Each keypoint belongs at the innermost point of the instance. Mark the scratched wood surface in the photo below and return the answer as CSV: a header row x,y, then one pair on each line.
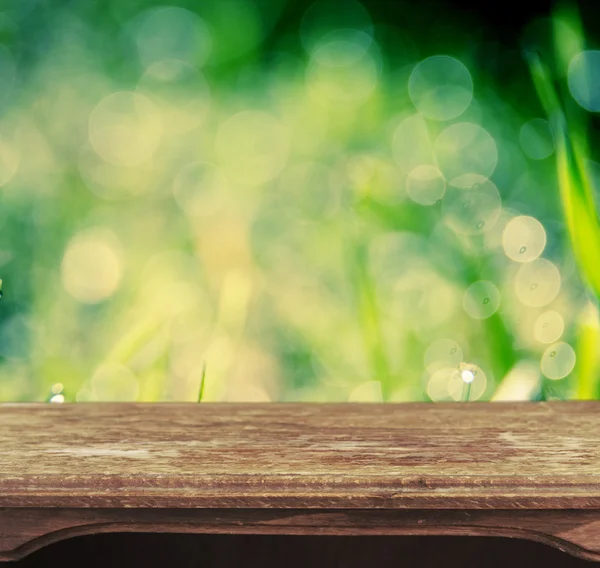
x,y
440,456
509,470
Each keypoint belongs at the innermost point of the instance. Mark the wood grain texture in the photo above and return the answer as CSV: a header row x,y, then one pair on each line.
x,y
25,530
500,469
469,456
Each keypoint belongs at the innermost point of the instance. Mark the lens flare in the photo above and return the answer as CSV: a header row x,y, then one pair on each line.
x,y
440,87
584,79
537,283
523,239
91,268
481,300
558,361
466,154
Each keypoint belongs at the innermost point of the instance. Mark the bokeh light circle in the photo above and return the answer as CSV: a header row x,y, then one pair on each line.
x,y
442,353
115,182
447,384
325,17
548,327
172,33
523,239
411,144
180,91
440,87
425,185
341,47
466,154
113,382
252,147
200,189
481,299
536,139
477,378
439,381
537,283
349,85
125,128
584,79
421,298
472,211
558,361
91,268
369,391
168,284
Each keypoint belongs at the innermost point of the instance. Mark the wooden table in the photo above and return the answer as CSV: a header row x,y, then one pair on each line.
x,y
529,470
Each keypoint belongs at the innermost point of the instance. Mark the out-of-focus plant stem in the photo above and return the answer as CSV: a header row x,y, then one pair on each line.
x,y
133,340
587,347
576,191
580,214
369,316
202,383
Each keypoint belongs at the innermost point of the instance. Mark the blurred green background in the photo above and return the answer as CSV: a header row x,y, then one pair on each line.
x,y
312,202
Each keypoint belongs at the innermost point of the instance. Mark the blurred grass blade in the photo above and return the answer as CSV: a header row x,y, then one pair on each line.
x,y
576,191
202,383
465,394
368,312
581,218
544,87
522,382
133,340
567,32
588,351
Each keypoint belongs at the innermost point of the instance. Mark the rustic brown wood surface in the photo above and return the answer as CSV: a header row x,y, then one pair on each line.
x,y
530,470
387,456
26,530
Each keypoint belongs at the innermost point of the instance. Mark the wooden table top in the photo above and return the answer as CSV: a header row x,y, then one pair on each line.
x,y
367,456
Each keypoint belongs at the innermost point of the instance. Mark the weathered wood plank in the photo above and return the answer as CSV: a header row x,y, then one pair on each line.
x,y
501,469
25,530
287,455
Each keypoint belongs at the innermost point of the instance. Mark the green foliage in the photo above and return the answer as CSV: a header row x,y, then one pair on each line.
x,y
299,198
578,200
576,190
